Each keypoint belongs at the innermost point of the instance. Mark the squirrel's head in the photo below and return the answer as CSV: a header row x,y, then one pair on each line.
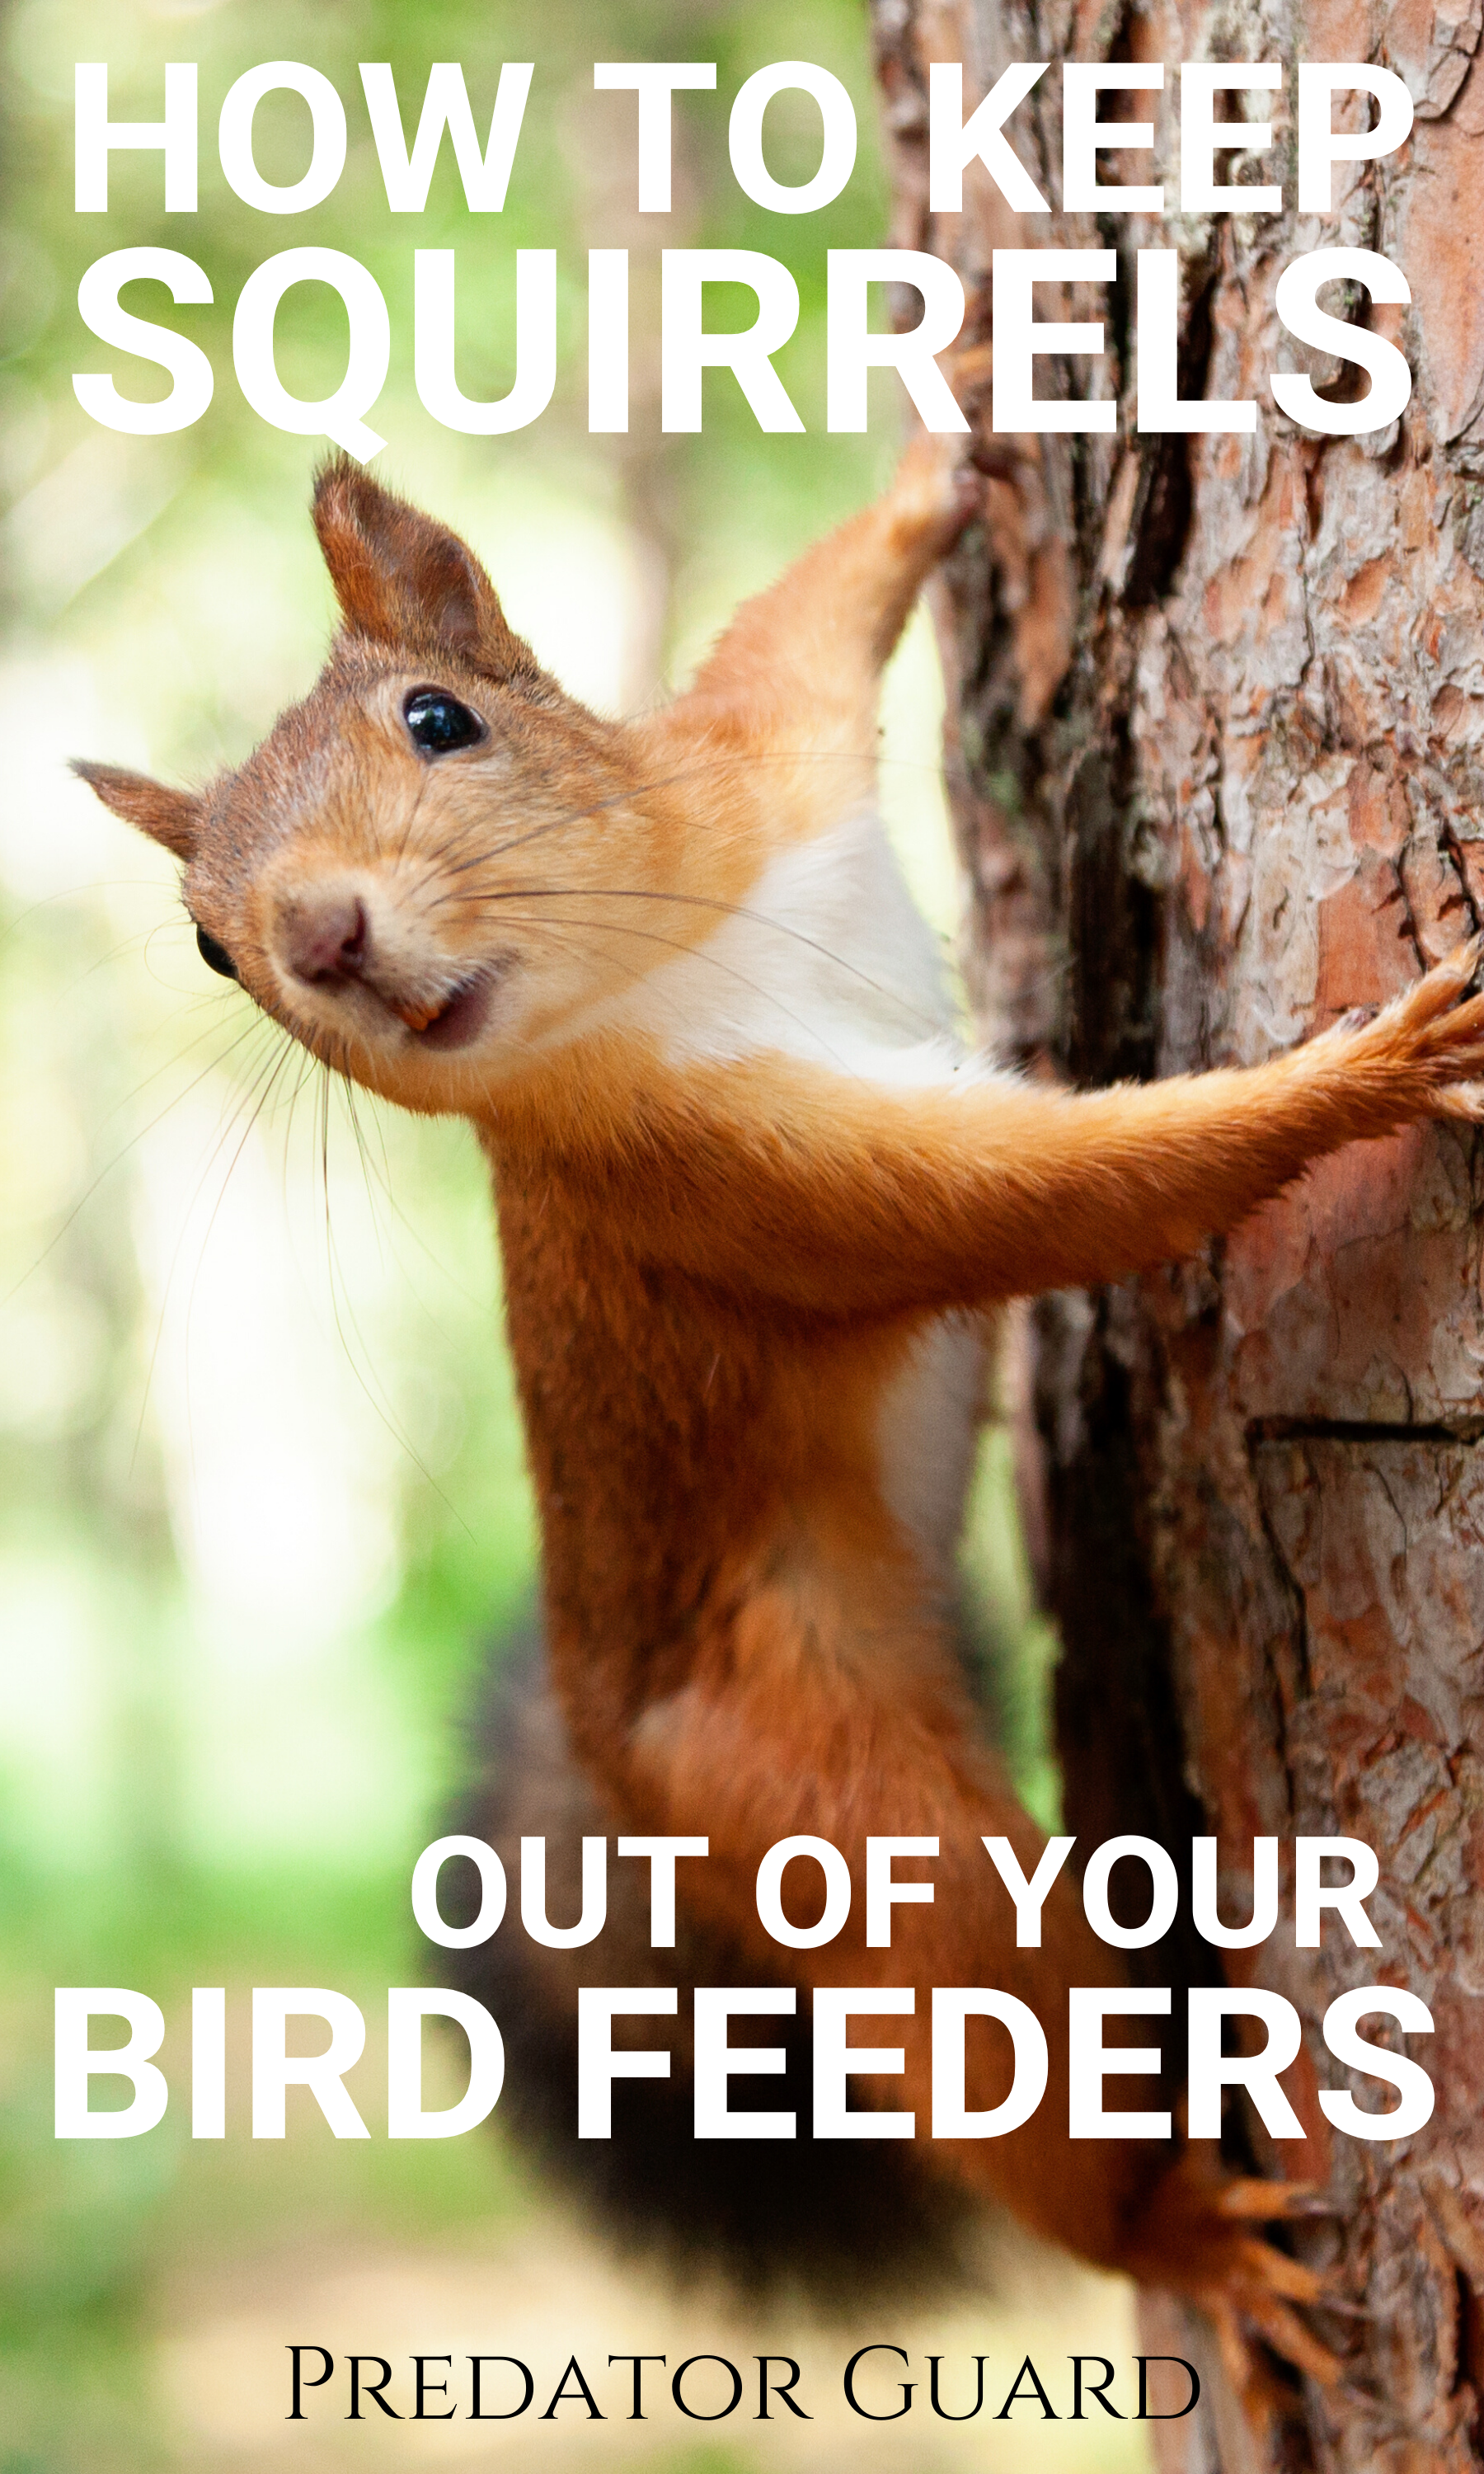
x,y
410,872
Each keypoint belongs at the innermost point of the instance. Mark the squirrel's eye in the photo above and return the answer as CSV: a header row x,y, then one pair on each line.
x,y
439,722
216,956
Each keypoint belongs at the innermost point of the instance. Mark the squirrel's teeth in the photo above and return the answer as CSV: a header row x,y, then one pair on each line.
x,y
418,1017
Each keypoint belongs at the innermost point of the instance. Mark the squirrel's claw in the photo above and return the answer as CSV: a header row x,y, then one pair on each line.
x,y
1260,2202
1196,2239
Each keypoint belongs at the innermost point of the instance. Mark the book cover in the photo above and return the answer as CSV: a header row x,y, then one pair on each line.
x,y
312,1795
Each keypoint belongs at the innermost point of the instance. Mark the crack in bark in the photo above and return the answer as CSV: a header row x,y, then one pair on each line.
x,y
1302,1667
1364,1430
1452,849
1402,895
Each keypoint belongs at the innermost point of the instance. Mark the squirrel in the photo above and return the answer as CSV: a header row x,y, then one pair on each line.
x,y
756,1207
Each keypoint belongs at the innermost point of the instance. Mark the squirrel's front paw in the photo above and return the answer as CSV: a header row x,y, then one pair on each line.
x,y
1428,1044
937,490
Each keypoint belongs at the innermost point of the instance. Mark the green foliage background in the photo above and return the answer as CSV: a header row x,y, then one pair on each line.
x,y
262,1507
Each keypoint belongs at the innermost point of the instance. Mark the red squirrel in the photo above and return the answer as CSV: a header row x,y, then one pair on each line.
x,y
755,1204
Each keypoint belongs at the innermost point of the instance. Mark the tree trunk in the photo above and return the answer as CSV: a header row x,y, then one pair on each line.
x,y
1217,750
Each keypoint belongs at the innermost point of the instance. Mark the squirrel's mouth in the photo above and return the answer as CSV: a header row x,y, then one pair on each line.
x,y
458,1020
347,943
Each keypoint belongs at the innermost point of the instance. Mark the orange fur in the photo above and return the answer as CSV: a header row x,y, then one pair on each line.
x,y
720,1260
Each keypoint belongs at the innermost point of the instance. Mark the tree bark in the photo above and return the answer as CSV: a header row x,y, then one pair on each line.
x,y
1218,747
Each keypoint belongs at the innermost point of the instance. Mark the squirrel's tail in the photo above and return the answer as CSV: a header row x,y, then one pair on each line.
x,y
763,2211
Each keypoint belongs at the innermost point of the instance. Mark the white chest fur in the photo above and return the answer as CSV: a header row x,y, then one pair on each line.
x,y
827,959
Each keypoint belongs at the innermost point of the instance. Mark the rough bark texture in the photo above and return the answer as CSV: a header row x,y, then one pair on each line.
x,y
1219,718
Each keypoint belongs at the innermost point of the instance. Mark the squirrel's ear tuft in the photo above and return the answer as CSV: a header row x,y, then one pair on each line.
x,y
169,816
402,579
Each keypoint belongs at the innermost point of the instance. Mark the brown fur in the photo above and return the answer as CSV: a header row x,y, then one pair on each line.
x,y
716,1267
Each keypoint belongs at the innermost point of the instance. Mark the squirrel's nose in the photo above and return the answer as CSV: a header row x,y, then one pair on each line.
x,y
325,936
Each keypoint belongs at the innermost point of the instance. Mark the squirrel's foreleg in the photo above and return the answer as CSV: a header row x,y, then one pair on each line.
x,y
803,662
846,1193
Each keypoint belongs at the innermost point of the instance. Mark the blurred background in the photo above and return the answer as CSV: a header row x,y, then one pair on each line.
x,y
263,1515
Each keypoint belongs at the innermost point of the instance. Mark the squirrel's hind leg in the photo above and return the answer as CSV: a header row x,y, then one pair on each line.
x,y
1197,2237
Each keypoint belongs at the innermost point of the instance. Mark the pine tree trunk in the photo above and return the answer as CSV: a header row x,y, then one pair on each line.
x,y
1218,749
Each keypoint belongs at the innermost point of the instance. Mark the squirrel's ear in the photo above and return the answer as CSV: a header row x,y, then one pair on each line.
x,y
169,816
402,579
